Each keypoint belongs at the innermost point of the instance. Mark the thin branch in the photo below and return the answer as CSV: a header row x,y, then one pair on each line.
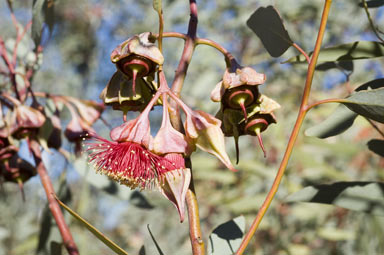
x,y
371,21
297,47
375,127
330,100
11,67
228,56
19,37
294,134
181,71
53,205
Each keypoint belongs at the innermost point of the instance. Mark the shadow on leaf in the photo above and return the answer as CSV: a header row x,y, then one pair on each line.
x,y
365,197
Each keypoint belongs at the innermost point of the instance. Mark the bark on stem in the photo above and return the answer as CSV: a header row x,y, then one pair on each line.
x,y
177,84
66,235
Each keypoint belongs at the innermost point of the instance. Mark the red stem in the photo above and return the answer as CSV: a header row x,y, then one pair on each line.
x,y
53,205
181,71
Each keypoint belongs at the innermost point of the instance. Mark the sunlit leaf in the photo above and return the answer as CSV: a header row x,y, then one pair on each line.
x,y
335,234
336,123
226,238
267,24
377,146
42,13
368,103
358,196
94,231
346,52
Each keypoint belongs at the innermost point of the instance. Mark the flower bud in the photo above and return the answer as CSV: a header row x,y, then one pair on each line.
x,y
119,93
25,120
137,57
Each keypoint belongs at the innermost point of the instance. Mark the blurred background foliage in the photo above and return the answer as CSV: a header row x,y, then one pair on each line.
x,y
76,62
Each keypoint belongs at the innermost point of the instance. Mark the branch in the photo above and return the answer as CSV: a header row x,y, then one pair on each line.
x,y
177,84
53,205
294,134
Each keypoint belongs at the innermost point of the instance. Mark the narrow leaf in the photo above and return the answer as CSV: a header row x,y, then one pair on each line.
x,y
336,123
154,240
42,14
226,238
274,36
373,4
346,52
377,146
157,5
94,231
368,103
358,196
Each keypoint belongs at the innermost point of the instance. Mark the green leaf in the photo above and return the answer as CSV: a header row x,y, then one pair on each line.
x,y
94,231
226,238
157,6
368,103
42,13
336,123
358,196
377,146
346,52
154,240
274,36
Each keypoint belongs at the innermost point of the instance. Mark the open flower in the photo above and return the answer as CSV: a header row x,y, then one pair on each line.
x,y
133,165
136,159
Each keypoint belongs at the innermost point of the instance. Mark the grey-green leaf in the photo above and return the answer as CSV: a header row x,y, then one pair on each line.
x,y
42,13
267,24
157,5
368,103
365,197
346,52
336,123
226,238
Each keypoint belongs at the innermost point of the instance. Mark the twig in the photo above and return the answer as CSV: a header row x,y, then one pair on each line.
x,y
371,21
294,134
53,205
181,71
375,127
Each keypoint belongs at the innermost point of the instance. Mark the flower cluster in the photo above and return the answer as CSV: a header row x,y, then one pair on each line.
x,y
244,110
135,158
